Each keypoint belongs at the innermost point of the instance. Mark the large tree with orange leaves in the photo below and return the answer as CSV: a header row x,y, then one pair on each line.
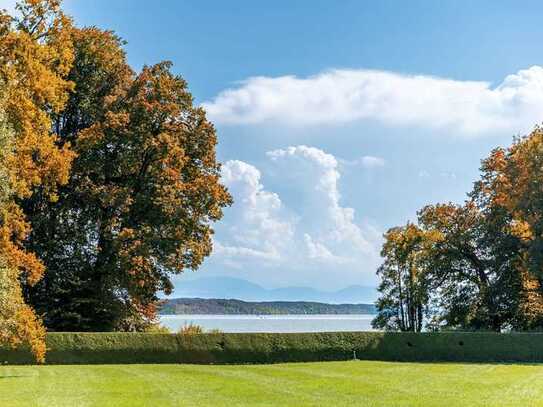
x,y
142,197
482,261
511,187
35,58
459,266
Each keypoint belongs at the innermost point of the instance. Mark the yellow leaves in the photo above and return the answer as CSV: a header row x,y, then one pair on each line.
x,y
34,74
31,330
37,161
13,230
35,56
18,322
521,229
531,299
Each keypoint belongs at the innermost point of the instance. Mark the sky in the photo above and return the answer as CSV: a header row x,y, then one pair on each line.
x,y
338,120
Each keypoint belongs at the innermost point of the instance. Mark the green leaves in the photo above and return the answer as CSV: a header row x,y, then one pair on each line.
x,y
143,193
482,260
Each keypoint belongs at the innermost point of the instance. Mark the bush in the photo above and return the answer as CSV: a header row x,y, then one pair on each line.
x,y
158,329
191,329
104,348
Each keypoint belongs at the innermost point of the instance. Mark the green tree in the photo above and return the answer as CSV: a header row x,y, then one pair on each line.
x,y
472,264
462,265
142,197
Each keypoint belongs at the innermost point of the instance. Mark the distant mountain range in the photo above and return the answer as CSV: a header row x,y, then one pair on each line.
x,y
179,306
235,288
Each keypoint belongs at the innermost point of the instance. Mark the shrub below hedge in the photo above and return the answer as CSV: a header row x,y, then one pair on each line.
x,y
113,348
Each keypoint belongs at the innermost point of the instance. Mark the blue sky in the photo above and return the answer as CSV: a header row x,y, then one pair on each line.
x,y
338,120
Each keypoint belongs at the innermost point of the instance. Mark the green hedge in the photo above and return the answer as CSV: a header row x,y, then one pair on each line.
x,y
103,348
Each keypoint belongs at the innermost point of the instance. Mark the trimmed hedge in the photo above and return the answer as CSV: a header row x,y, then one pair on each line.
x,y
120,348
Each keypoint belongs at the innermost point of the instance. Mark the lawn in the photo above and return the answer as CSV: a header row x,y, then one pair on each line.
x,y
355,383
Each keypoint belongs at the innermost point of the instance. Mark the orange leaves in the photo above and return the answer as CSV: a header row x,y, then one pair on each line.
x,y
30,330
511,181
13,230
149,163
35,56
144,186
34,59
18,322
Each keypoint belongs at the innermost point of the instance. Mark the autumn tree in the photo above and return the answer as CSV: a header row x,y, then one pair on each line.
x,y
510,188
18,323
404,295
472,263
467,261
142,197
35,57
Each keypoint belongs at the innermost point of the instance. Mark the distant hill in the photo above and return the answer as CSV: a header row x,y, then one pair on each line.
x,y
236,307
227,287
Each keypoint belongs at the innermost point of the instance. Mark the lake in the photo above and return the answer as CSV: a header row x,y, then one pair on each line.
x,y
271,323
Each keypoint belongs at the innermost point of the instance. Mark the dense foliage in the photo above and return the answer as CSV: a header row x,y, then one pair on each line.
x,y
223,348
476,265
237,307
35,57
142,194
109,180
18,323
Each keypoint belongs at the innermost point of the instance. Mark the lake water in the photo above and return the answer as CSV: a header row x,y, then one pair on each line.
x,y
271,323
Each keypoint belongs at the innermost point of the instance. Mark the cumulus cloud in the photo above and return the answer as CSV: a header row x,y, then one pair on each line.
x,y
260,227
305,233
424,174
336,222
257,228
318,251
343,96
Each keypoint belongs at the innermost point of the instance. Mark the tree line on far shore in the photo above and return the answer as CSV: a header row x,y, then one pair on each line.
x,y
237,307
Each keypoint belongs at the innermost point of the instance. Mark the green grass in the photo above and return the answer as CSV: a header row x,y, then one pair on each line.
x,y
356,383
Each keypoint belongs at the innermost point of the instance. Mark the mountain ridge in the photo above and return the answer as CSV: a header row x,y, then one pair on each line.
x,y
240,289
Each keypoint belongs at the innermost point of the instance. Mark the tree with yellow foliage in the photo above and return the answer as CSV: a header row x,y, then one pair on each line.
x,y
35,58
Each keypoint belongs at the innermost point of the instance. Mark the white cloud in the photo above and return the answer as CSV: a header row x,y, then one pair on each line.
x,y
256,227
369,161
336,223
318,251
448,174
303,235
342,96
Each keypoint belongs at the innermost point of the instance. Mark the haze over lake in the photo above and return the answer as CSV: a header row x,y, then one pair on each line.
x,y
271,323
